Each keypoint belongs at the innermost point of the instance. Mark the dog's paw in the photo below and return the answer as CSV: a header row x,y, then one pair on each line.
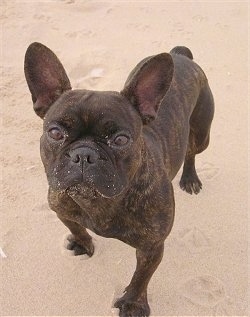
x,y
190,183
130,308
78,248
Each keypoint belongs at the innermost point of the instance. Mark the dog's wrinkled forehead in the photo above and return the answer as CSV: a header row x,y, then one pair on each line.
x,y
86,107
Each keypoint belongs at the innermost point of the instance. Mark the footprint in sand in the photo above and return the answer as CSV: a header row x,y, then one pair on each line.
x,y
204,290
42,17
138,26
194,240
229,307
199,18
68,1
41,207
71,34
208,171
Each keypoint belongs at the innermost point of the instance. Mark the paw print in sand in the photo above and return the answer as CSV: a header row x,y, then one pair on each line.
x,y
204,290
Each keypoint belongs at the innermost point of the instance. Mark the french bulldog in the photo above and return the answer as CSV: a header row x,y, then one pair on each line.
x,y
110,157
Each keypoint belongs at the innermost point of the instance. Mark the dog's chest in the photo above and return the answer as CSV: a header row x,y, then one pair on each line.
x,y
110,221
101,218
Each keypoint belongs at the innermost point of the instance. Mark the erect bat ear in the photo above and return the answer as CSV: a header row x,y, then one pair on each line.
x,y
148,83
45,76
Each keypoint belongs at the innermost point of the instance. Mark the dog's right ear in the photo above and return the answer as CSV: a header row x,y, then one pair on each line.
x,y
45,76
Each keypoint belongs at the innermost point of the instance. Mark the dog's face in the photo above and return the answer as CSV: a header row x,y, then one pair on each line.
x,y
92,141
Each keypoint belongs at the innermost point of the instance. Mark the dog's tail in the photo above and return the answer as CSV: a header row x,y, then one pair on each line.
x,y
182,50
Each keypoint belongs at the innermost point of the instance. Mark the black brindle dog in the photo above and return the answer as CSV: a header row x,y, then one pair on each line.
x,y
110,156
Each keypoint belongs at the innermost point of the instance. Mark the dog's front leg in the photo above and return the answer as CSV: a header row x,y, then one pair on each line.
x,y
71,216
79,241
134,302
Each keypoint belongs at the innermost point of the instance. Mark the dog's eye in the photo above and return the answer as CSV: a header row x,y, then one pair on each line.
x,y
121,140
56,134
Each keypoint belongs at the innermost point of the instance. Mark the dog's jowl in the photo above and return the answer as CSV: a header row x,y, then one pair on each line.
x,y
110,156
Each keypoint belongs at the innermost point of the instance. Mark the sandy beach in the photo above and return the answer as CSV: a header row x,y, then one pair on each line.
x,y
204,271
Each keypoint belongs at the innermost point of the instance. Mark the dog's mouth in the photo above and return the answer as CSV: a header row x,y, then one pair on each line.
x,y
90,192
86,192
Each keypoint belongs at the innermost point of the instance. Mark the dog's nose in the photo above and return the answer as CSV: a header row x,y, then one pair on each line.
x,y
83,154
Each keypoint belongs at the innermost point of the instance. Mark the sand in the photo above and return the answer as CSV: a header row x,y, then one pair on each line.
x,y
204,269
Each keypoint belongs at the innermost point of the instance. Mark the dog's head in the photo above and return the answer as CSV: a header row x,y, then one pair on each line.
x,y
92,141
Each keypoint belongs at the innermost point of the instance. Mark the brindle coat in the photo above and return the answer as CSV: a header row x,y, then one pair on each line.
x,y
121,189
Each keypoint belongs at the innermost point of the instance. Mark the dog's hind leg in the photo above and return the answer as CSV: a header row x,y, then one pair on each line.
x,y
200,123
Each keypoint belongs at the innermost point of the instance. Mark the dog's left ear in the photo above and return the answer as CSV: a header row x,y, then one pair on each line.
x,y
148,83
45,76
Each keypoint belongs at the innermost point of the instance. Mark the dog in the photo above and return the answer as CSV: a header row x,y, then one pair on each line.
x,y
110,157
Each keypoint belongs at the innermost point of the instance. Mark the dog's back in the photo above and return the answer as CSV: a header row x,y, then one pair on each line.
x,y
187,106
